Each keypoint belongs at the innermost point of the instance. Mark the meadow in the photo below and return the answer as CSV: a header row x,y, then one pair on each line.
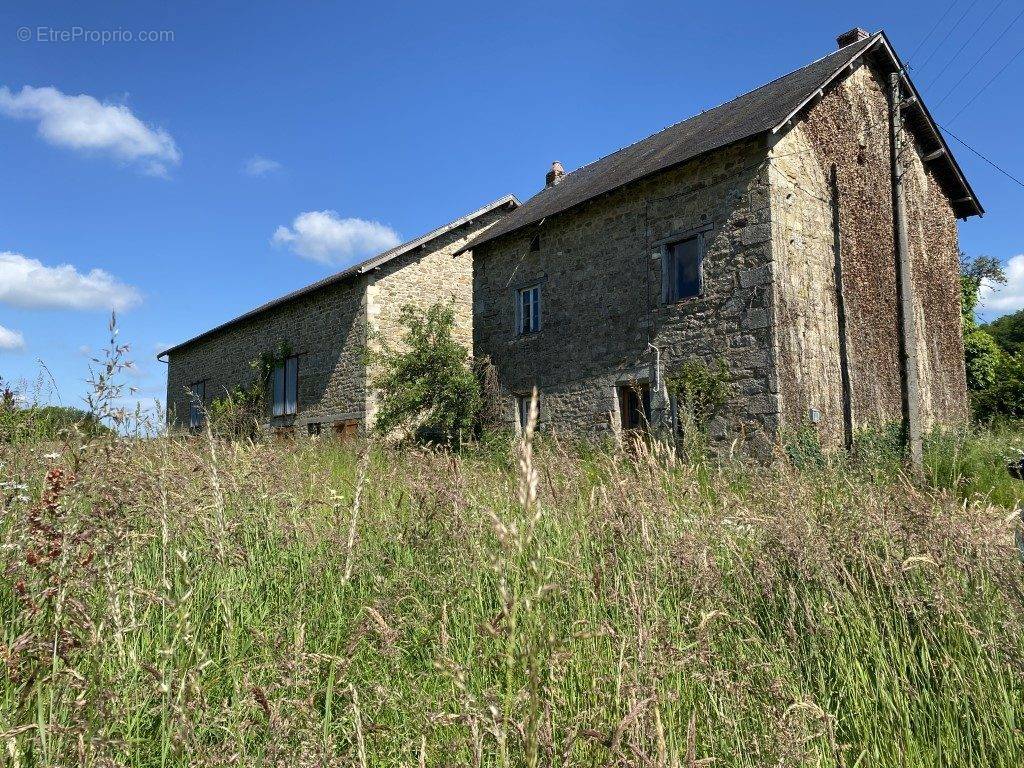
x,y
183,600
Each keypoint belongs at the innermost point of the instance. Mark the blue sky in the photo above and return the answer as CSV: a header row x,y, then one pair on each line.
x,y
254,147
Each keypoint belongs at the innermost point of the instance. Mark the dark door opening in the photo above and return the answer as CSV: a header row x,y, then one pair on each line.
x,y
635,405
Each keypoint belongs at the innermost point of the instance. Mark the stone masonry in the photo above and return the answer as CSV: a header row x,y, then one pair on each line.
x,y
768,306
330,327
804,265
603,319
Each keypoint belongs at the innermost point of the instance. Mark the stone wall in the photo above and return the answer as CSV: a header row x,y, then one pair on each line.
x,y
849,127
326,328
330,328
599,267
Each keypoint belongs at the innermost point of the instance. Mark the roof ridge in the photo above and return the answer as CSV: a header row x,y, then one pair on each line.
x,y
722,104
356,269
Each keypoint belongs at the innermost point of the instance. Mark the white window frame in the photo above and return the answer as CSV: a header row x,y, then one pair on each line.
x,y
286,387
536,318
196,404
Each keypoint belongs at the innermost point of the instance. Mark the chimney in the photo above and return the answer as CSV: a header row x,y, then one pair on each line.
x,y
555,175
855,35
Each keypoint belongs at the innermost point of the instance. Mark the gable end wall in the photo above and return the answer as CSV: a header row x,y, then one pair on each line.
x,y
849,127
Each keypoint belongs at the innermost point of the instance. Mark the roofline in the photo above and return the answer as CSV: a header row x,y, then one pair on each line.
x,y
881,37
878,37
362,268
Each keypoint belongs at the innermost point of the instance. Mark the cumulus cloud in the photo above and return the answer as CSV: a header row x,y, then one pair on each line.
x,y
85,124
260,166
1002,299
325,237
10,340
29,283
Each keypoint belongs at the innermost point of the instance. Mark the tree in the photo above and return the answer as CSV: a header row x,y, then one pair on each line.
x,y
1008,331
982,356
973,274
981,352
995,372
425,387
1005,397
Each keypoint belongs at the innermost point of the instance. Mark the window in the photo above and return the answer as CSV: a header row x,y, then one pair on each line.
x,y
634,405
523,410
528,310
681,269
196,400
286,382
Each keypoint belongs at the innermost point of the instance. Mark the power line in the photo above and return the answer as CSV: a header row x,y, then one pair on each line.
x,y
966,42
986,85
976,63
932,30
950,32
1003,171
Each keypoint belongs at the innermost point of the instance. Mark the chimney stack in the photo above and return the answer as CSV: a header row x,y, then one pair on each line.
x,y
855,35
555,175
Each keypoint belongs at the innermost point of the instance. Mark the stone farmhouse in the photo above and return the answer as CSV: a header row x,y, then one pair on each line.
x,y
759,235
801,236
321,382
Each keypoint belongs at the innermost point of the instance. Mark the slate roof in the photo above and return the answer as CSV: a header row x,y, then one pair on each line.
x,y
761,111
359,269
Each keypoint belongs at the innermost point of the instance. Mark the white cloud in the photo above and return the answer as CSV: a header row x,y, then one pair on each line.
x,y
83,123
28,283
325,237
260,166
10,340
995,300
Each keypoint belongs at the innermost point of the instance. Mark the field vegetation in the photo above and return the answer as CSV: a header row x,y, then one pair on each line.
x,y
190,600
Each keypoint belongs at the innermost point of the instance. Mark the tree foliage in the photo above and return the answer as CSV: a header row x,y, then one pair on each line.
x,y
982,356
1004,398
1008,332
995,371
425,387
973,274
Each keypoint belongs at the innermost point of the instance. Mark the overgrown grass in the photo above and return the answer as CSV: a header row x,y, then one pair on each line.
x,y
184,601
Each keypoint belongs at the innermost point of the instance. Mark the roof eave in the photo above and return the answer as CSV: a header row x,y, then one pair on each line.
x,y
356,271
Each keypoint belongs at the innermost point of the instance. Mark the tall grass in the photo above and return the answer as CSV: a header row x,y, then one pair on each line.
x,y
188,601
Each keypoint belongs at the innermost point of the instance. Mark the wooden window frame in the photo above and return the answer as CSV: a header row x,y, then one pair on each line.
x,y
666,247
641,390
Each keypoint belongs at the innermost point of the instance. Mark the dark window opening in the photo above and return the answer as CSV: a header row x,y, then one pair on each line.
x,y
635,405
196,403
682,264
286,384
535,243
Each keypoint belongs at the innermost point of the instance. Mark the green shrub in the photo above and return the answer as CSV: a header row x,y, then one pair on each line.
x,y
700,389
239,413
982,358
425,387
1004,397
